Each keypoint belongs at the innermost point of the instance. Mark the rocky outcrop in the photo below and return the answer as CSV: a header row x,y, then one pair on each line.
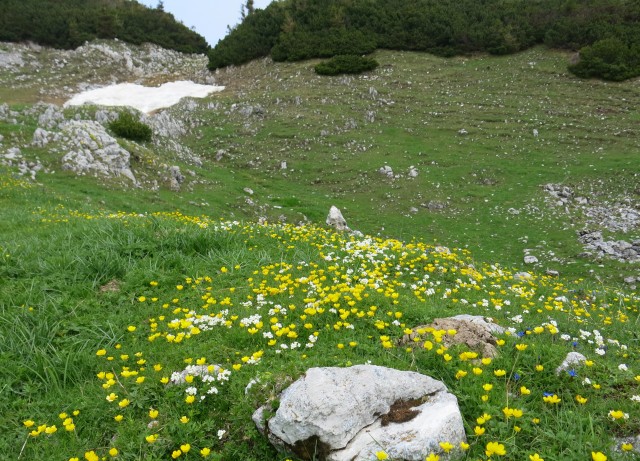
x,y
93,151
621,250
598,214
349,414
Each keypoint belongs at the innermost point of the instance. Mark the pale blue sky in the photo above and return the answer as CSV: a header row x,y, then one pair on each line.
x,y
209,18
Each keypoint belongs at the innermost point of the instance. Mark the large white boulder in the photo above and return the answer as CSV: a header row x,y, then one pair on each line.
x,y
349,414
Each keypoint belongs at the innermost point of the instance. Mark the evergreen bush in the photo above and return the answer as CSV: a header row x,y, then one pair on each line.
x,y
346,64
609,59
130,127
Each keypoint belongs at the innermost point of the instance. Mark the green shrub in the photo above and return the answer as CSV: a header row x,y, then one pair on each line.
x,y
609,59
346,64
130,127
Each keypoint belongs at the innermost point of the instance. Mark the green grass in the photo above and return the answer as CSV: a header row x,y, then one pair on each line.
x,y
78,256
79,282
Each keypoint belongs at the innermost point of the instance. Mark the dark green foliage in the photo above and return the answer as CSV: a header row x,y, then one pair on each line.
x,y
69,23
346,64
611,59
130,127
252,39
303,29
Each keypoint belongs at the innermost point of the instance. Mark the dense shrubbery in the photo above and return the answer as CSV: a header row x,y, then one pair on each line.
x,y
611,59
346,64
130,127
302,29
69,23
256,36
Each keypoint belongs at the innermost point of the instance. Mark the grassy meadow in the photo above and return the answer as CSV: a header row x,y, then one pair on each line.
x,y
149,325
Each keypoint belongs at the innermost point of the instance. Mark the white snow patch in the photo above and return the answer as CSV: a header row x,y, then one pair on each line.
x,y
145,99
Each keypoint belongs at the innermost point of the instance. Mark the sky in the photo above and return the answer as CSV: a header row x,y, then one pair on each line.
x,y
209,18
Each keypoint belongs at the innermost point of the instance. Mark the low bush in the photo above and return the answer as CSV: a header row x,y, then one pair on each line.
x,y
130,127
346,64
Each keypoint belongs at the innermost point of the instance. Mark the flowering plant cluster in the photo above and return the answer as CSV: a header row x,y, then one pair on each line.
x,y
194,355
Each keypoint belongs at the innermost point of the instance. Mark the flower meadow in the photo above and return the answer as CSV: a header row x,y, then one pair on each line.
x,y
178,327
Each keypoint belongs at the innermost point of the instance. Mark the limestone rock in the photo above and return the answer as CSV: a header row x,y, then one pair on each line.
x,y
348,414
520,276
386,171
52,117
163,124
93,150
530,259
475,332
335,219
40,137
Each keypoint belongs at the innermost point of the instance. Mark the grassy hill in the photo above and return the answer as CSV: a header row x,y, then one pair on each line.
x,y
109,289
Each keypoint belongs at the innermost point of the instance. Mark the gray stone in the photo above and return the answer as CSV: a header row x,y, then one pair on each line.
x,y
163,124
349,414
335,219
386,171
52,117
93,150
40,137
473,331
530,259
522,276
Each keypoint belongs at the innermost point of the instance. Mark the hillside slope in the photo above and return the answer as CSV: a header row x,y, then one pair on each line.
x,y
606,32
466,151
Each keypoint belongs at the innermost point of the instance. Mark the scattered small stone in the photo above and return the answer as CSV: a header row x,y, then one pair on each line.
x,y
386,171
530,259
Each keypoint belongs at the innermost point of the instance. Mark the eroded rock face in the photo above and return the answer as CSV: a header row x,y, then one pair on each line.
x,y
348,414
92,150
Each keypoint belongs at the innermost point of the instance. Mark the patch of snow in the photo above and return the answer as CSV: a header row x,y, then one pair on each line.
x,y
145,99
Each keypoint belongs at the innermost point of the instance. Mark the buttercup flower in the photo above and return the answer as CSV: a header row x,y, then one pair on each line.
x,y
495,448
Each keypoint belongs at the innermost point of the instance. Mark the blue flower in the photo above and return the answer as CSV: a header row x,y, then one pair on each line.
x,y
516,376
572,373
547,394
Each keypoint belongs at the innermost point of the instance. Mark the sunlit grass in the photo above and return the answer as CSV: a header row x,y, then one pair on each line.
x,y
172,358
